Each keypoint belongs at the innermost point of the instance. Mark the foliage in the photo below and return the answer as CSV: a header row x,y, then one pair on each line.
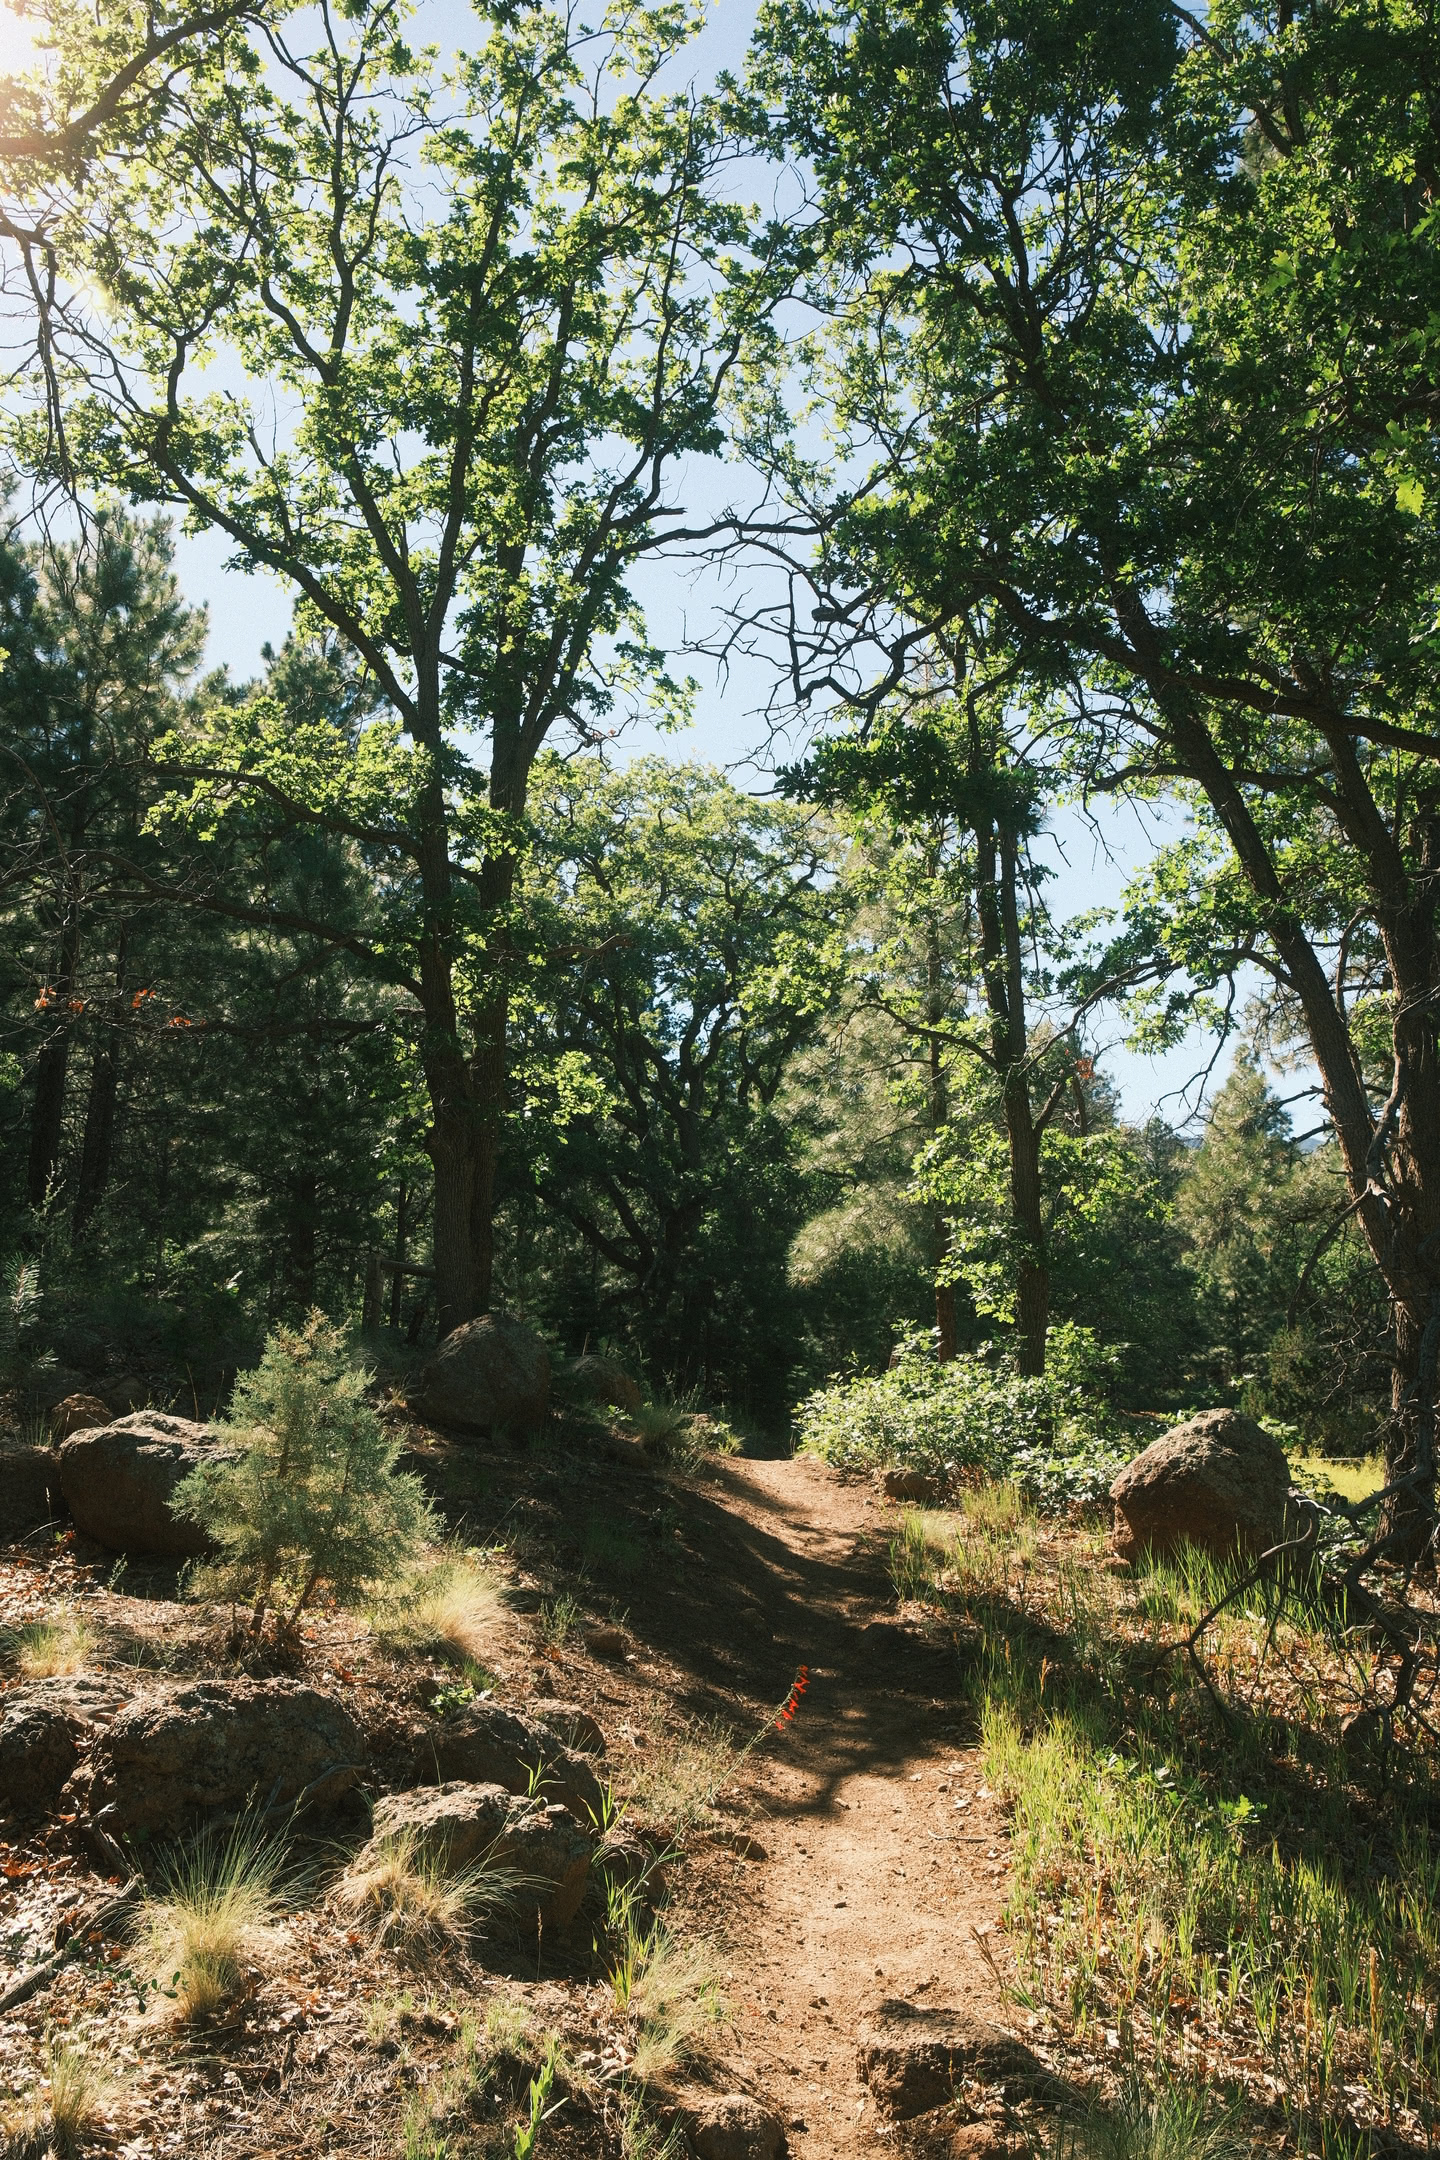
x,y
973,1413
313,1498
1249,1871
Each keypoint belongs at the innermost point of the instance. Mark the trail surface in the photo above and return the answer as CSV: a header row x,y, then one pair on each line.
x,y
885,1858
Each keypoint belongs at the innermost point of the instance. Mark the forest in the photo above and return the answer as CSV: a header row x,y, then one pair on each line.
x,y
835,880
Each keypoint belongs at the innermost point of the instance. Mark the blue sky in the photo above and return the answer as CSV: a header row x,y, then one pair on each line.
x,y
1091,861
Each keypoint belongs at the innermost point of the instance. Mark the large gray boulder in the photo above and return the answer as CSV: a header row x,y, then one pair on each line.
x,y
460,1826
492,1372
913,2059
182,1751
486,1745
45,1728
1218,1481
119,1479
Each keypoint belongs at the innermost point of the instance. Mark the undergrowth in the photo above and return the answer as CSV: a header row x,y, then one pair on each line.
x,y
1201,1871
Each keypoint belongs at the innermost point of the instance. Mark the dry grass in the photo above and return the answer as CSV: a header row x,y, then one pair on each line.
x,y
451,1605
62,1642
678,1776
63,2113
670,1991
414,1903
217,1898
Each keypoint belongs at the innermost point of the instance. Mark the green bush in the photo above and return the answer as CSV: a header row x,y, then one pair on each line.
x,y
1054,1436
313,1498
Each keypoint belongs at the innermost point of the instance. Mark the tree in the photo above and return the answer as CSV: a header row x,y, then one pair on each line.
x,y
467,330
108,648
313,1497
1135,305
950,799
687,940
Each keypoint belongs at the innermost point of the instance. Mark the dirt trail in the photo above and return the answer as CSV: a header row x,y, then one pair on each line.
x,y
884,1853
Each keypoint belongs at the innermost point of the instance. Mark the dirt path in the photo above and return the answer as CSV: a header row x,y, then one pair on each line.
x,y
883,1852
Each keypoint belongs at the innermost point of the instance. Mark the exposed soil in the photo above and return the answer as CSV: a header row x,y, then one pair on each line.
x,y
885,1859
853,1856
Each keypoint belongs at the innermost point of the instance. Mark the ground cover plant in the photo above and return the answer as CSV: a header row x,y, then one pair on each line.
x,y
1216,1877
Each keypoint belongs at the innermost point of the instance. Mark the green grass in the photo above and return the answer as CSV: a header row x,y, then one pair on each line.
x,y
1237,1882
1353,1478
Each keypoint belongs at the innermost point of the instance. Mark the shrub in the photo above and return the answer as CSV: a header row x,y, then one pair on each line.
x,y
1052,1435
314,1497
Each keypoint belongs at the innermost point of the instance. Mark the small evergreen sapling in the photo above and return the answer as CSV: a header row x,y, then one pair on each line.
x,y
313,1497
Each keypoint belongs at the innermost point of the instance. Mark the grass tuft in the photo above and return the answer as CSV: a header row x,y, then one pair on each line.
x,y
679,1776
62,1642
63,2113
412,1901
215,1899
671,1992
450,1606
1154,2120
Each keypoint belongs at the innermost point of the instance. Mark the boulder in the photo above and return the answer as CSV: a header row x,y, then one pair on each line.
x,y
1218,1481
607,1642
491,1372
76,1414
625,1862
183,1750
45,1727
118,1480
734,2127
486,1745
913,2059
29,1491
915,1485
601,1380
576,1727
462,1826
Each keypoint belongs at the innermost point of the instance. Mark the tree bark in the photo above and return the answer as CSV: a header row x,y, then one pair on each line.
x,y
47,1109
97,1147
1003,968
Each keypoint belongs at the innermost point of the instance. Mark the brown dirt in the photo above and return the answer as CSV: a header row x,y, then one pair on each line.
x,y
853,1857
885,1858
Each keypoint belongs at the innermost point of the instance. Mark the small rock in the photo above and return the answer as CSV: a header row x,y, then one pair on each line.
x,y
486,1745
915,1485
182,1750
463,1826
983,2141
735,2127
1218,1482
607,1642
626,1863
912,2059
492,1372
118,1480
746,1847
77,1413
45,1728
576,1727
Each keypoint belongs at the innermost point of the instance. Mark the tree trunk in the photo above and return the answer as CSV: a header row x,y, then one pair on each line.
x,y
47,1110
1003,967
509,785
97,1148
302,1213
939,1105
402,1233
